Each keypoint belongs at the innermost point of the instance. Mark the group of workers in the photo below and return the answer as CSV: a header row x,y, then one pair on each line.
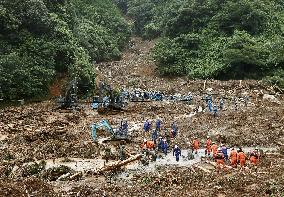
x,y
212,107
221,156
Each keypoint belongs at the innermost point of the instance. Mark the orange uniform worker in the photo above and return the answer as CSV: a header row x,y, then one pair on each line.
x,y
208,146
254,157
233,157
196,145
148,144
220,160
242,158
214,149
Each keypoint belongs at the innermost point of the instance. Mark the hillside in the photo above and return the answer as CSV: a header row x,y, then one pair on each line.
x,y
45,40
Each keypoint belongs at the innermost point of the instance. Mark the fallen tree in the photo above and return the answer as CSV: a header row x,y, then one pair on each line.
x,y
118,164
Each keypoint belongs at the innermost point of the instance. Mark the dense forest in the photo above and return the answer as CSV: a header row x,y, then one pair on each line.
x,y
41,40
232,39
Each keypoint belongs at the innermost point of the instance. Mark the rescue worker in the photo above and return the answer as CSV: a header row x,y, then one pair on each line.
x,y
160,144
177,152
107,154
147,125
196,145
208,146
122,153
174,129
158,125
219,158
221,104
242,159
214,149
150,145
233,158
144,144
165,146
210,105
168,136
254,158
155,136
215,111
224,151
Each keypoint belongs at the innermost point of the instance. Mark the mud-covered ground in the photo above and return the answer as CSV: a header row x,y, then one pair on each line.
x,y
41,144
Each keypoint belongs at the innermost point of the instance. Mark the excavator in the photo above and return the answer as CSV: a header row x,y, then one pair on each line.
x,y
70,99
120,133
108,100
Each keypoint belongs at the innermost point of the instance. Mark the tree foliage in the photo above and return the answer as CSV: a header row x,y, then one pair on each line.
x,y
40,39
213,38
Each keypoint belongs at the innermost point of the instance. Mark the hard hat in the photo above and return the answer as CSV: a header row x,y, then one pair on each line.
x,y
145,140
176,146
213,143
208,136
164,140
219,150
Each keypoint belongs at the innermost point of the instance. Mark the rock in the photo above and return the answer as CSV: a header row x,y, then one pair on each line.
x,y
270,98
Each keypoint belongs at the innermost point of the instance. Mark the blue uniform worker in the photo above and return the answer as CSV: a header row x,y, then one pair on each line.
x,y
215,110
147,125
221,104
155,136
158,124
210,105
165,146
174,129
177,152
225,151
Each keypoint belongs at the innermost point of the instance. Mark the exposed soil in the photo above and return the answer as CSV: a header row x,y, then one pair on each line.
x,y
40,132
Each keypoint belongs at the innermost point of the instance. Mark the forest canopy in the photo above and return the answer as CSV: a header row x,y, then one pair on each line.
x,y
232,39
43,39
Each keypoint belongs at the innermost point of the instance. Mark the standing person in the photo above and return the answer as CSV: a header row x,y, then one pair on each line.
x,y
215,111
242,159
158,125
224,151
167,136
177,152
165,146
122,153
233,158
155,136
214,149
210,105
219,158
107,153
196,145
160,144
208,146
221,104
147,127
174,129
254,158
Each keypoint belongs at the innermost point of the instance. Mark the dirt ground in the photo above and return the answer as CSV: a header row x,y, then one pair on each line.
x,y
41,144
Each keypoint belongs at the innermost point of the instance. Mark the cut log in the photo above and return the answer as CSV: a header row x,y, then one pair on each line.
x,y
75,176
203,169
214,164
118,164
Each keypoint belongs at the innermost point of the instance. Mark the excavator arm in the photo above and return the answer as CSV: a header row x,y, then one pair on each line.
x,y
118,134
102,124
